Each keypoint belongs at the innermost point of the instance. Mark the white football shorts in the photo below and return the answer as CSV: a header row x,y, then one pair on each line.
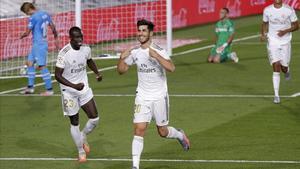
x,y
71,102
279,52
146,110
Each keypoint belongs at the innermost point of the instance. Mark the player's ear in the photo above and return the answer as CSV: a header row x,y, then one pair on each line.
x,y
151,33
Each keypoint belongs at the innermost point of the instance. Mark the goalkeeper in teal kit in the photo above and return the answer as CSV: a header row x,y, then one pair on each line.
x,y
221,52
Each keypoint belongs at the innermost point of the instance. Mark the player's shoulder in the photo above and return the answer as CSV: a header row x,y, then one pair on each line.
x,y
65,50
230,22
287,7
85,47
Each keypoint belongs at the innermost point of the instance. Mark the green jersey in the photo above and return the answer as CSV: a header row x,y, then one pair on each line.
x,y
224,29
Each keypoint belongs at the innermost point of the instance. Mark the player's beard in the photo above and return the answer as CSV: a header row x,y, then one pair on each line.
x,y
143,39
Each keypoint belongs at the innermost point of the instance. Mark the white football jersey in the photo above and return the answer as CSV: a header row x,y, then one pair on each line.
x,y
152,80
279,19
74,64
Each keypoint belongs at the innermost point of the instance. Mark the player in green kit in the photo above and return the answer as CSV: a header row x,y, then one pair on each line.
x,y
224,36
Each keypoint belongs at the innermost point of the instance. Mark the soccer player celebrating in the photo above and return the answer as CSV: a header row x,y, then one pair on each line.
x,y
224,35
70,72
279,20
152,99
38,24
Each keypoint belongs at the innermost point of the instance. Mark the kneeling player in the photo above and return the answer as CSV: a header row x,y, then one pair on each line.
x,y
70,72
224,35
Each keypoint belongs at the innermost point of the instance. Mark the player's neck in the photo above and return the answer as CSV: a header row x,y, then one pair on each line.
x,y
75,47
277,5
146,44
224,19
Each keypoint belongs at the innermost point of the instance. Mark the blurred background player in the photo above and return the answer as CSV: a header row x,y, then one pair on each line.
x,y
38,24
224,32
70,72
152,99
279,20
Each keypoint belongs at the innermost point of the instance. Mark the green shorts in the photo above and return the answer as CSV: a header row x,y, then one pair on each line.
x,y
224,55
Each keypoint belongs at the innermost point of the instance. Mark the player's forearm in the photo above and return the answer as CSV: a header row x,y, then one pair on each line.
x,y
230,39
167,64
294,27
55,34
264,29
62,80
122,67
92,65
25,34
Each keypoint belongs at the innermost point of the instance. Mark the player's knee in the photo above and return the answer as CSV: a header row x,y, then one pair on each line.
x,y
138,131
74,120
95,121
216,60
284,69
163,131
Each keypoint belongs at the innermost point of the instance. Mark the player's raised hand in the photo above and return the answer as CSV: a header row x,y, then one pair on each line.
x,y
126,53
79,86
153,53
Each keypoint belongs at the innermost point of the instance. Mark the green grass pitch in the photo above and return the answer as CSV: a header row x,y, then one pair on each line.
x,y
221,127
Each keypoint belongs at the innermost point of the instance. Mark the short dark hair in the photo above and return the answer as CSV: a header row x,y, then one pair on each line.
x,y
26,6
74,29
145,22
226,9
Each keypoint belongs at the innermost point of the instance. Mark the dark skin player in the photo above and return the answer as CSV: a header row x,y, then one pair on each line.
x,y
76,39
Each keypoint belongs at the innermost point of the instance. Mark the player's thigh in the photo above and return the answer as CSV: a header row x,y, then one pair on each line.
x,y
274,53
142,111
40,53
140,128
213,52
161,111
286,54
88,104
90,109
70,104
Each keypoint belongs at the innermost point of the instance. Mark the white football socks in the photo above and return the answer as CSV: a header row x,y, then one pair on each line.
x,y
276,83
173,133
137,148
76,135
89,126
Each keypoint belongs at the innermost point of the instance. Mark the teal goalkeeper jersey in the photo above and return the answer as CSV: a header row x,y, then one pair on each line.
x,y
224,29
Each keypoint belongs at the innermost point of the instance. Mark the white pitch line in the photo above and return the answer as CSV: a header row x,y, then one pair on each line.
x,y
296,94
113,67
171,95
155,160
53,81
210,46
